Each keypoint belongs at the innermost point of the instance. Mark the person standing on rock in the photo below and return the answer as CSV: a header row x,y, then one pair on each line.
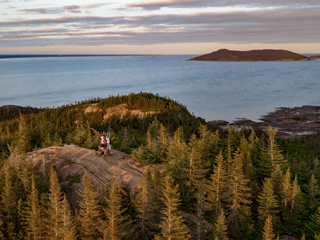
x,y
101,140
105,141
109,142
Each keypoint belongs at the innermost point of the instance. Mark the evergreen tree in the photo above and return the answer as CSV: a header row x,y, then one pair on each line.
x,y
172,226
57,141
268,229
287,188
221,227
68,230
295,191
8,201
268,203
178,165
200,196
294,219
89,213
197,167
216,187
47,142
143,203
264,166
115,225
22,137
238,199
31,214
273,149
313,191
54,211
209,142
313,225
162,142
157,203
245,151
277,182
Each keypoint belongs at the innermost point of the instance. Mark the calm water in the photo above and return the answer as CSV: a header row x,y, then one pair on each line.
x,y
212,90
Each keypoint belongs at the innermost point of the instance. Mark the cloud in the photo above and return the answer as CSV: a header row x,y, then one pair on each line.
x,y
59,10
156,5
94,5
5,1
265,25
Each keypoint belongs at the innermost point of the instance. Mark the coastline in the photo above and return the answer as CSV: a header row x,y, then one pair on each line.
x,y
290,122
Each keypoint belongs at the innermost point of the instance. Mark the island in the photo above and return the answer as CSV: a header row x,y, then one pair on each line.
x,y
252,55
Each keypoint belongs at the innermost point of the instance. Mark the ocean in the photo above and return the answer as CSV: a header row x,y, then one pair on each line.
x,y
211,90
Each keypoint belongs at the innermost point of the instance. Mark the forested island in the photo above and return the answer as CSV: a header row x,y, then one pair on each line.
x,y
171,175
252,55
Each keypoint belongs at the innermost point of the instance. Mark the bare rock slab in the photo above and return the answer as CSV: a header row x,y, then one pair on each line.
x,y
73,162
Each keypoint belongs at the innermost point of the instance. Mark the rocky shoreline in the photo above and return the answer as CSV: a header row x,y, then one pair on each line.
x,y
290,122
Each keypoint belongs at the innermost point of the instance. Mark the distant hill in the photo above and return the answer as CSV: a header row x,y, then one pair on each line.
x,y
9,112
253,55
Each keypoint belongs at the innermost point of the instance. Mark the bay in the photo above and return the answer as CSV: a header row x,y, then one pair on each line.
x,y
211,90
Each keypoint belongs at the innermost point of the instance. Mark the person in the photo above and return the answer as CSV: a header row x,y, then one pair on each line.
x,y
104,141
110,142
101,140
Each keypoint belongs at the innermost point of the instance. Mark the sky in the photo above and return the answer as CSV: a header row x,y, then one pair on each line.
x,y
157,26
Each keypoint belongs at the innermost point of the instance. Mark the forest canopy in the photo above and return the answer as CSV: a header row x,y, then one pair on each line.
x,y
199,182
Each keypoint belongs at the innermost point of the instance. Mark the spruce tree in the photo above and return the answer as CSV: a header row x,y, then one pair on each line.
x,y
273,149
245,151
209,142
200,196
268,203
31,214
238,200
268,229
216,187
89,213
287,189
115,225
197,167
162,143
172,226
277,181
68,229
295,191
313,191
47,141
8,201
54,211
178,165
157,203
221,227
143,203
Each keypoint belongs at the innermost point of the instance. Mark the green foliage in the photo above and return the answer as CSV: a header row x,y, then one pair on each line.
x,y
172,226
115,224
144,101
241,169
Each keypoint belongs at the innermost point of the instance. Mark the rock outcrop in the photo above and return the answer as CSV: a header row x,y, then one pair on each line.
x,y
93,108
295,121
73,162
122,110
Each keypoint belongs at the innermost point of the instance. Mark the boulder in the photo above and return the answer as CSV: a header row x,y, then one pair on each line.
x,y
73,162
